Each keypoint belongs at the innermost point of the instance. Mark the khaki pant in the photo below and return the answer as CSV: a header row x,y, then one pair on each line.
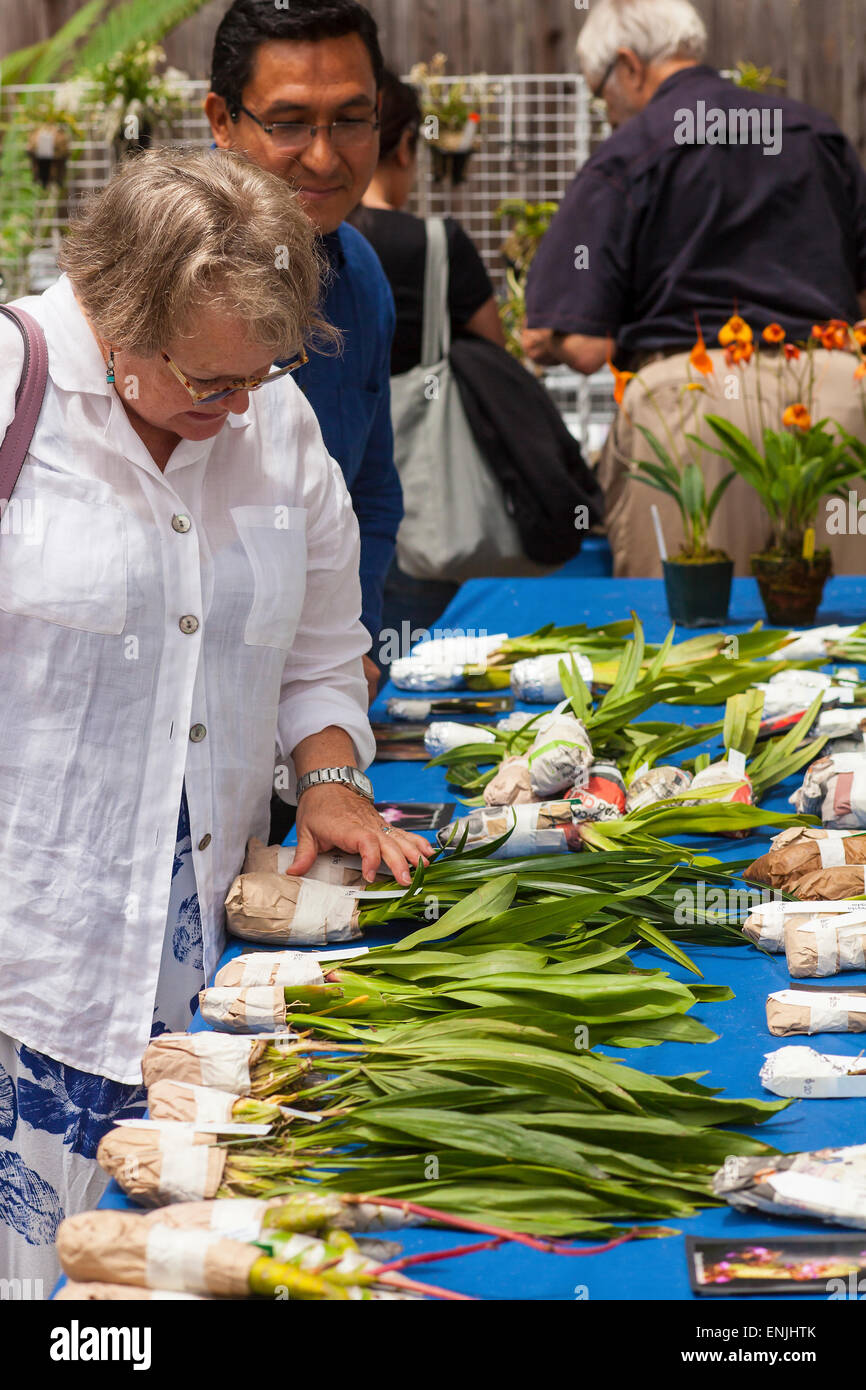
x,y
740,525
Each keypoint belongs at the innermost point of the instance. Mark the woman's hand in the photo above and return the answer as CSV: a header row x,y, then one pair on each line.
x,y
333,817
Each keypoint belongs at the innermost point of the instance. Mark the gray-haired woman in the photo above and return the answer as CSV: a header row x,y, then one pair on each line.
x,y
179,603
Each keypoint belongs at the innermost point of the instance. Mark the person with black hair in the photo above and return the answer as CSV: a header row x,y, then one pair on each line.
x,y
296,90
400,241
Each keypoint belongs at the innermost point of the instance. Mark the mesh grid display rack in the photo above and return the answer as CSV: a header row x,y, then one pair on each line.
x,y
536,132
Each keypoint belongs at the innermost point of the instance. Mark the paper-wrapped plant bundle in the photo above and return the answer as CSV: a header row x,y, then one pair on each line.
x,y
658,784
244,1066
155,1164
512,784
829,1184
843,881
765,924
342,870
285,967
793,1011
804,849
546,827
537,679
205,1105
801,1073
252,1009
443,735
601,796
834,788
826,945
737,787
120,1248
287,911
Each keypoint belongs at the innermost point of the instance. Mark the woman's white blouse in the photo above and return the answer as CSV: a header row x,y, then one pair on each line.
x,y
194,624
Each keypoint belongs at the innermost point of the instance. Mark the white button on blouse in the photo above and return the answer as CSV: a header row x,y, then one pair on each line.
x,y
117,638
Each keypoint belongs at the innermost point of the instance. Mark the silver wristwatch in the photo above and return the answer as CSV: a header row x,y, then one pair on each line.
x,y
348,776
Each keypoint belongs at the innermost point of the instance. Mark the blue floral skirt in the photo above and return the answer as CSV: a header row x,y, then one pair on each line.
x,y
52,1117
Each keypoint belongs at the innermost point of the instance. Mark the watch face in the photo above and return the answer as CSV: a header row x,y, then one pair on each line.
x,y
363,783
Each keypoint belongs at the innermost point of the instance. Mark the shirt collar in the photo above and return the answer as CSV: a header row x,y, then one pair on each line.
x,y
76,361
696,72
332,245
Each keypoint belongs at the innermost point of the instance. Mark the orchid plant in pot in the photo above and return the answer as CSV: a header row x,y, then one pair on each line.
x,y
793,469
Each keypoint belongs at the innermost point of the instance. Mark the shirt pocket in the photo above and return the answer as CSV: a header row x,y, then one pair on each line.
x,y
63,555
275,541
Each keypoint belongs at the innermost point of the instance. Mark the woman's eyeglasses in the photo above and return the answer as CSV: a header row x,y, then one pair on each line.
x,y
297,135
253,384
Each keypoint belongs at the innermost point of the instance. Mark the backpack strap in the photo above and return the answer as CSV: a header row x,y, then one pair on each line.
x,y
28,400
436,335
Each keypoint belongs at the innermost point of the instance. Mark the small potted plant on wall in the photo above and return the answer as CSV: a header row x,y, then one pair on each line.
x,y
452,119
131,97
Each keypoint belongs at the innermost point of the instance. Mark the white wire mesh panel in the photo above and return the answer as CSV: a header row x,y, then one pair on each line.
x,y
536,133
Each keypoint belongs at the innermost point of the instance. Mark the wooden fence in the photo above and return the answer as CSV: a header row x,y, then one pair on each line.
x,y
818,46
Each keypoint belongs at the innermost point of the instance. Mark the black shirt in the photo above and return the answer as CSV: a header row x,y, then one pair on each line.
x,y
400,241
673,229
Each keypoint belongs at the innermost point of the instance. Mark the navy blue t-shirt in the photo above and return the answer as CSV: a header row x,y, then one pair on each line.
x,y
652,231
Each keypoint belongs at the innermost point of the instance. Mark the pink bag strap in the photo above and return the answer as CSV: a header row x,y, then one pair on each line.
x,y
28,400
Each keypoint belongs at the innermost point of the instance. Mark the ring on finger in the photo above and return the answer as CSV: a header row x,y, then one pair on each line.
x,y
387,830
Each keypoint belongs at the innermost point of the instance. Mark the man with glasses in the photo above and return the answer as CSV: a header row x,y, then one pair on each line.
x,y
707,199
296,90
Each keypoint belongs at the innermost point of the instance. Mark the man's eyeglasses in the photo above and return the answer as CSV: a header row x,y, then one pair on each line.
x,y
297,135
597,91
253,384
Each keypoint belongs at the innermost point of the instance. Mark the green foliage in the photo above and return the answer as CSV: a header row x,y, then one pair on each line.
x,y
795,472
687,488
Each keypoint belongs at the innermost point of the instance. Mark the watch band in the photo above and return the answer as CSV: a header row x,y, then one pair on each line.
x,y
350,777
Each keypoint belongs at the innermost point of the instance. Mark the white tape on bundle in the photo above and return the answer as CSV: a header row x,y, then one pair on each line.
x,y
238,1218
828,1013
224,1061
322,909
294,968
183,1171
176,1258
537,680
832,852
259,1009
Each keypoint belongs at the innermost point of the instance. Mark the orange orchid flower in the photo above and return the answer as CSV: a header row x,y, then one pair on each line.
x,y
792,353
621,381
833,336
860,372
699,357
773,333
736,330
739,352
798,416
859,331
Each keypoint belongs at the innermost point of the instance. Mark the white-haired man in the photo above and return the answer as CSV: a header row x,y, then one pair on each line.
x,y
706,200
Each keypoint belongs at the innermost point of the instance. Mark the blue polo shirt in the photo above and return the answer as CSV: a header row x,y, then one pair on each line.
x,y
351,395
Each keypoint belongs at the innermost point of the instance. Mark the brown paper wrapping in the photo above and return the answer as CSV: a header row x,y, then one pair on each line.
x,y
511,786
803,955
112,1246
171,1100
785,1019
172,1057
796,852
843,881
262,906
134,1159
73,1292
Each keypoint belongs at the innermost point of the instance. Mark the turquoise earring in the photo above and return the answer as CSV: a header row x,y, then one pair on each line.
x,y
109,369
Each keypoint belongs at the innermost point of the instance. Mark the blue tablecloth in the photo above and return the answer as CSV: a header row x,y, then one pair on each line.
x,y
652,1269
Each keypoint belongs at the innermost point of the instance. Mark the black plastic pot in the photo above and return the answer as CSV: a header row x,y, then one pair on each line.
x,y
698,595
